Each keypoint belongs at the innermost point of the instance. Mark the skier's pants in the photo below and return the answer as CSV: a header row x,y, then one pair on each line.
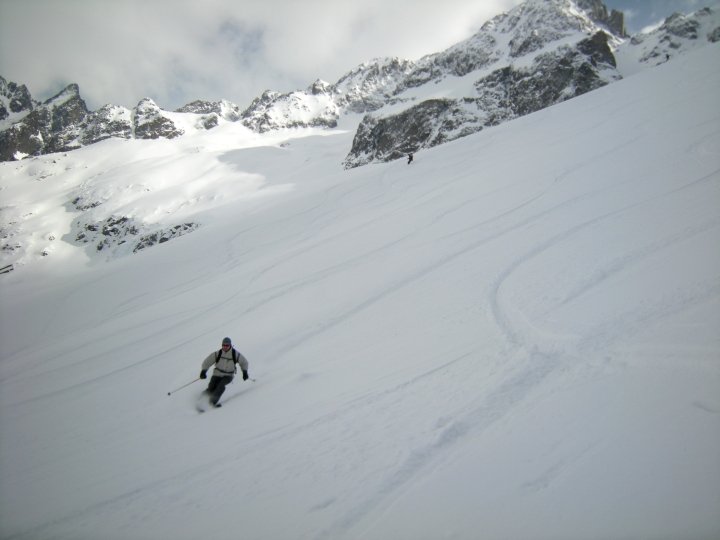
x,y
217,387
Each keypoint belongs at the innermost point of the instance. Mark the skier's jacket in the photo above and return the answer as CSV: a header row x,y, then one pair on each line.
x,y
224,364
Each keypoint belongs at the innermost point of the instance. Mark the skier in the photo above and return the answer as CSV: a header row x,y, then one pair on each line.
x,y
225,361
410,158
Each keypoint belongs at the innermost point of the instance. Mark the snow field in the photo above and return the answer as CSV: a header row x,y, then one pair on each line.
x,y
515,337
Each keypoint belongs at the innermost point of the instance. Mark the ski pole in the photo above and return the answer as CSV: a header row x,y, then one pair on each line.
x,y
183,386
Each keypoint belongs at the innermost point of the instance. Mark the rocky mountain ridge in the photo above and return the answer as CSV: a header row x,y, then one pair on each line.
x,y
540,53
537,55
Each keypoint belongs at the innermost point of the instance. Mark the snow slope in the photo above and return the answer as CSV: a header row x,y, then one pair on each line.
x,y
514,337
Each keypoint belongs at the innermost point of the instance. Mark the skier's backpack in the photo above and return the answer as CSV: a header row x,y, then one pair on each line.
x,y
234,357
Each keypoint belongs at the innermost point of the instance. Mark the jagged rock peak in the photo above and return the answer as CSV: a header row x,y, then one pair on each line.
x,y
319,87
200,107
14,98
527,29
40,128
613,20
535,23
223,109
274,110
108,121
150,123
147,105
70,92
682,26
369,86
678,33
376,69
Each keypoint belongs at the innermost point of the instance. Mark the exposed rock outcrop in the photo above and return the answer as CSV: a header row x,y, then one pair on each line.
x,y
505,94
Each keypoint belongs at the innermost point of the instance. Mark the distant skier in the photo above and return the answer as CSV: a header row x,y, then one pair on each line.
x,y
225,361
410,158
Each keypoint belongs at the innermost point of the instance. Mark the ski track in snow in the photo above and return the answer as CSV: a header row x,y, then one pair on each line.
x,y
623,264
467,423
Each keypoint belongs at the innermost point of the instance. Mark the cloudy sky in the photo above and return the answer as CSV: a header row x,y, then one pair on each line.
x,y
175,51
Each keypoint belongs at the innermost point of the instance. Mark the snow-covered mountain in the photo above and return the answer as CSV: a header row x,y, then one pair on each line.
x,y
514,337
539,54
559,43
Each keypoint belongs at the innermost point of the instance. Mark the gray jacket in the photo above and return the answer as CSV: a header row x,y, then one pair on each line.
x,y
224,367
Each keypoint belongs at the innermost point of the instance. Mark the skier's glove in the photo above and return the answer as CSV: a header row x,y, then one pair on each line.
x,y
245,375
203,374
